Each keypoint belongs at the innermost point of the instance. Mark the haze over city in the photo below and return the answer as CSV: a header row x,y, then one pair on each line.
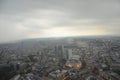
x,y
59,39
22,19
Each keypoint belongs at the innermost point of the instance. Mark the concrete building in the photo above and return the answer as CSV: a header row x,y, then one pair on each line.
x,y
70,54
58,74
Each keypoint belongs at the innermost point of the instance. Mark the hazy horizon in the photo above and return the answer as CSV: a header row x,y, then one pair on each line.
x,y
39,38
25,19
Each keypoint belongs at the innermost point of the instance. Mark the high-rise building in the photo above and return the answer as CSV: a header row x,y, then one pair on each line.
x,y
70,53
59,51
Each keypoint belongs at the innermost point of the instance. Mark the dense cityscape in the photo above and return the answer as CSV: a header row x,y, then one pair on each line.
x,y
72,58
59,39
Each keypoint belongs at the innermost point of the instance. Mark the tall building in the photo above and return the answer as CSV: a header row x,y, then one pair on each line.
x,y
70,54
59,50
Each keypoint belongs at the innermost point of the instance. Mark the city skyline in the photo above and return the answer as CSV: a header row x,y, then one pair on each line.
x,y
58,18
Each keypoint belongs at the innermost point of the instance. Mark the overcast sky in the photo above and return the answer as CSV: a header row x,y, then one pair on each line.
x,y
21,19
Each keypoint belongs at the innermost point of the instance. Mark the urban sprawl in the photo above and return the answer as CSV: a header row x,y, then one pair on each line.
x,y
72,58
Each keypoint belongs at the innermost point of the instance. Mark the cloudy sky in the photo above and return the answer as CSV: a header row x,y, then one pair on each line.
x,y
21,19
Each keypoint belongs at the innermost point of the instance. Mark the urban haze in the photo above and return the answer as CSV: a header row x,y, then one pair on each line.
x,y
59,40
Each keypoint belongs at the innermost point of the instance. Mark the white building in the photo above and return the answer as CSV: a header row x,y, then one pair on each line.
x,y
72,56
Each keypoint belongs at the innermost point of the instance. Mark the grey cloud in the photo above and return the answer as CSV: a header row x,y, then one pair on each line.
x,y
80,8
15,16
